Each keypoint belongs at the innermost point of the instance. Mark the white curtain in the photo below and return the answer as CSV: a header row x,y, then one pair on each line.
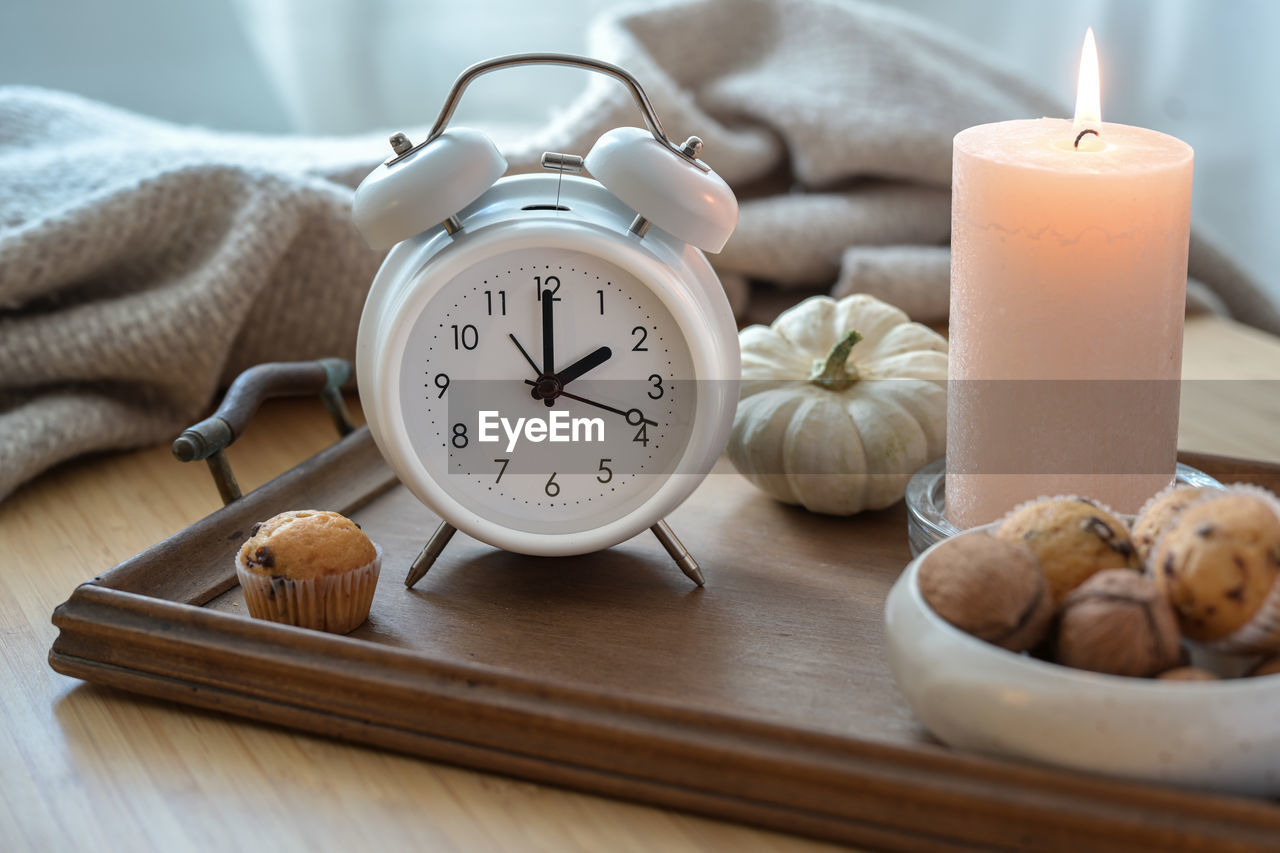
x,y
345,66
1206,72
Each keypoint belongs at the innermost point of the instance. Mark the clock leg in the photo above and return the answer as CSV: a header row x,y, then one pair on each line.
x,y
430,552
683,558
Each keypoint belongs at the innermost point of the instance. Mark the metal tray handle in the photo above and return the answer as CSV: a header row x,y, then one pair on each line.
x,y
208,439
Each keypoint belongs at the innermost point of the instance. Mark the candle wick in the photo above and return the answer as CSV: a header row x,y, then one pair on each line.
x,y
1084,133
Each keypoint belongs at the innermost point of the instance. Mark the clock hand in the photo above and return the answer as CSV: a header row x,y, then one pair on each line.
x,y
548,335
635,417
548,343
582,365
524,353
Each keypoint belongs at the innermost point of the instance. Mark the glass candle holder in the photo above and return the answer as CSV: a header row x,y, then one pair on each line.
x,y
927,501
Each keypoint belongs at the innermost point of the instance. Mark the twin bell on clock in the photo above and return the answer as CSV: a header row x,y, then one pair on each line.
x,y
548,361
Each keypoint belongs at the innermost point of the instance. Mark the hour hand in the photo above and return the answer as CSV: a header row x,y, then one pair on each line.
x,y
587,362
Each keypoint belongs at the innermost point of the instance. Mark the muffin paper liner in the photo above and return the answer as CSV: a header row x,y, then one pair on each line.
x,y
337,603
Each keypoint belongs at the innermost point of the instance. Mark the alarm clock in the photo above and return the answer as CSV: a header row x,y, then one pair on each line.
x,y
548,361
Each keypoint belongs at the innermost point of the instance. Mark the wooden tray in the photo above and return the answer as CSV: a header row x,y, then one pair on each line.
x,y
763,698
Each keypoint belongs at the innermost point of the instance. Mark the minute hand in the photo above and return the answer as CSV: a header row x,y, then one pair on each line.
x,y
548,335
582,365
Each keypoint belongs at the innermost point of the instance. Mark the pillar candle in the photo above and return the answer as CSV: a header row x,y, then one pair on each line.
x,y
1068,286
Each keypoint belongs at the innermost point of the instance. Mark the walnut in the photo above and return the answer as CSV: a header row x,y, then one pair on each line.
x,y
1187,673
1270,666
1118,622
989,588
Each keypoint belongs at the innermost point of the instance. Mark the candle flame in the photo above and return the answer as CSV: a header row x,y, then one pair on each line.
x,y
1088,94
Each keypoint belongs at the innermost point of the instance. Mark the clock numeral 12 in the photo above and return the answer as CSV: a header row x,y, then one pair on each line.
x,y
552,283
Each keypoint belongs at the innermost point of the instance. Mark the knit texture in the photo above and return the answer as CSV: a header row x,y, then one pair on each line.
x,y
144,265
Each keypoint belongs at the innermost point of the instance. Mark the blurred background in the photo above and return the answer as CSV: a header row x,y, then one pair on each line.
x,y
1203,71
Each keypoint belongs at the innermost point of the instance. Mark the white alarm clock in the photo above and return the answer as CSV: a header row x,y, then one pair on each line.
x,y
547,361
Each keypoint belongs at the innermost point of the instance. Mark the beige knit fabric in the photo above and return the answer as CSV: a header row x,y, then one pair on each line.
x,y
142,265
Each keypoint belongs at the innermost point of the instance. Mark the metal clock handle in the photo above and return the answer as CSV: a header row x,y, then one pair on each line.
x,y
208,439
688,152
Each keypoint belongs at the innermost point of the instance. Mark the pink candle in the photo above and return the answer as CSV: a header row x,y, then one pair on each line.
x,y
1068,285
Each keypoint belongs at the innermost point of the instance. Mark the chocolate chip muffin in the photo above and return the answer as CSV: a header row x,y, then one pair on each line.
x,y
1219,565
1159,515
1073,538
310,568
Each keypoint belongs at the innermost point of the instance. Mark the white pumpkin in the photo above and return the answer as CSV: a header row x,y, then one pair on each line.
x,y
841,403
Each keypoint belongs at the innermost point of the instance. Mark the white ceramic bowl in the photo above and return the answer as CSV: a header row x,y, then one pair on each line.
x,y
1222,735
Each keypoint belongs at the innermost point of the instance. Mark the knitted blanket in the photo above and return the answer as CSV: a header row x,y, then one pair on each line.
x,y
143,265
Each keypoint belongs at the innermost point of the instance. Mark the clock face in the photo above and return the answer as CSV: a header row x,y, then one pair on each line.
x,y
548,390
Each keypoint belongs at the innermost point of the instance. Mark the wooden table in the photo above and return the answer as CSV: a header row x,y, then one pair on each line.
x,y
84,767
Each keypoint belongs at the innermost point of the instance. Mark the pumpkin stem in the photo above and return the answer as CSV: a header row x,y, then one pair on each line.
x,y
836,374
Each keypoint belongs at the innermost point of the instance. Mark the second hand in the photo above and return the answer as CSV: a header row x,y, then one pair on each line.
x,y
607,408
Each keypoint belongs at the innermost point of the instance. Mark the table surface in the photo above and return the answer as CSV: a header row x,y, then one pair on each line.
x,y
84,767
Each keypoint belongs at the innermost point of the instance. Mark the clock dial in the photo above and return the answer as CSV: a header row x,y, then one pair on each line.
x,y
548,390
